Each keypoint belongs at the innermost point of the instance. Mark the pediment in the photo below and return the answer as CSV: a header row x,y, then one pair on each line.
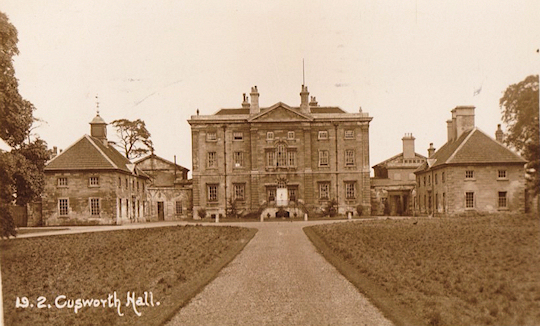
x,y
281,112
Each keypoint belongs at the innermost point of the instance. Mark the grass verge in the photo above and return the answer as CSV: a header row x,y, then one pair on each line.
x,y
466,271
170,264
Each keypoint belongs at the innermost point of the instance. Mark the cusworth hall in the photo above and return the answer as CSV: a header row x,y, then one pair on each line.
x,y
282,161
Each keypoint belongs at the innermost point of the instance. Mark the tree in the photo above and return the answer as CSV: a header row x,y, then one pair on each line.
x,y
21,169
519,106
134,137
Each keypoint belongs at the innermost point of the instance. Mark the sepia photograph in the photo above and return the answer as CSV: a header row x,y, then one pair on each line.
x,y
180,162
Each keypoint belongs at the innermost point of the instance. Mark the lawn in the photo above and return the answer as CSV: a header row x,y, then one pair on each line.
x,y
452,271
165,267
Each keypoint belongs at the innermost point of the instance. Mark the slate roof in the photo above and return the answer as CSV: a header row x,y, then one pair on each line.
x,y
89,153
161,159
315,109
417,156
472,147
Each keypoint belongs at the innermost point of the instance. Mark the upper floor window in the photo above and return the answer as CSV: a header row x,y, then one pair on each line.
x,y
323,134
501,174
469,174
94,181
212,160
290,135
281,157
270,135
127,184
349,157
291,157
436,178
119,182
94,206
270,158
323,158
211,136
350,190
62,182
349,134
238,159
238,136
443,177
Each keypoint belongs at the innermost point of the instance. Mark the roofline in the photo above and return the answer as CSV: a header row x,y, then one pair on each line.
x,y
99,149
444,165
95,170
69,147
160,158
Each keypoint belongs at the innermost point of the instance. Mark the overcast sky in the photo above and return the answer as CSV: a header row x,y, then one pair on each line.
x,y
407,63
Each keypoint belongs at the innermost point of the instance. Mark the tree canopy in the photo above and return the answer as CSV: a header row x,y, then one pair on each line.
x,y
21,169
519,106
134,137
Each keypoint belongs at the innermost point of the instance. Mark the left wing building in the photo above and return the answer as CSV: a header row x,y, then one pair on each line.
x,y
92,183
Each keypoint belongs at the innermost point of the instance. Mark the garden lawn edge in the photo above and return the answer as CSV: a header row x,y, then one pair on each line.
x,y
378,296
184,294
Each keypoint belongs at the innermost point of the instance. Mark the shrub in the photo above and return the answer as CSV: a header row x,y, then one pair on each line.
x,y
331,208
202,213
359,209
232,210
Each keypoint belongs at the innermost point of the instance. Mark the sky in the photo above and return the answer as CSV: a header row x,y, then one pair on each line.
x,y
407,63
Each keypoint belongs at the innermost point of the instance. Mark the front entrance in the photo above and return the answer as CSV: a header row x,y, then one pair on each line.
x,y
160,211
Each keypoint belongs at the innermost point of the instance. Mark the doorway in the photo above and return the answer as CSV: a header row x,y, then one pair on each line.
x,y
160,211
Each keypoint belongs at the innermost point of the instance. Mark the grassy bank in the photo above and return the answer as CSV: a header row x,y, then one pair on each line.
x,y
466,271
170,264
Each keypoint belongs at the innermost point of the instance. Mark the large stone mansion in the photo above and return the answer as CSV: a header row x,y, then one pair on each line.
x,y
289,158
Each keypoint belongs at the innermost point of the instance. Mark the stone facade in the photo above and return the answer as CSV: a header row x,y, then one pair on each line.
x,y
393,186
262,158
169,192
471,173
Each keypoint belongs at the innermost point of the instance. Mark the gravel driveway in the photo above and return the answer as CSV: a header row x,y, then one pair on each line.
x,y
279,279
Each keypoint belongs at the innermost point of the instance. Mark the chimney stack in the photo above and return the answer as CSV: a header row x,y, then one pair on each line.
x,y
464,120
304,98
431,150
245,103
254,109
408,146
313,102
450,130
499,135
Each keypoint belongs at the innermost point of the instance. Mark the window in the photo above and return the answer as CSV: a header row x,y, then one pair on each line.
x,y
502,199
212,163
429,180
211,136
349,157
119,182
238,159
239,190
324,190
469,200
436,202
270,158
349,134
138,185
290,135
323,158
271,194
442,177
178,207
469,174
323,134
94,181
350,190
63,207
94,206
238,136
291,158
62,182
212,193
127,184
436,178
281,155
270,135
444,202
424,181
292,194
502,174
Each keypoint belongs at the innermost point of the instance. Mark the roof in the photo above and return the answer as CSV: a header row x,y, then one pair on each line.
x,y
98,120
393,158
89,153
314,109
472,147
154,156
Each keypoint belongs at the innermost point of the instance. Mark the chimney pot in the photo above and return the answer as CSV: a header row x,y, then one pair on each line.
x,y
431,150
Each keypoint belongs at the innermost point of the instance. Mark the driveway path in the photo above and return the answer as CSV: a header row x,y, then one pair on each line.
x,y
279,279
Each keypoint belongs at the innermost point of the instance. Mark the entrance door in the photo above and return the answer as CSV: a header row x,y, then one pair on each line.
x,y
160,211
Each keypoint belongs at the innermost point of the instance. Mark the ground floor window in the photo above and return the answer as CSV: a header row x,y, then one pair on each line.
x,y
212,193
63,206
502,199
271,194
469,200
178,207
94,206
324,190
239,190
350,190
292,194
